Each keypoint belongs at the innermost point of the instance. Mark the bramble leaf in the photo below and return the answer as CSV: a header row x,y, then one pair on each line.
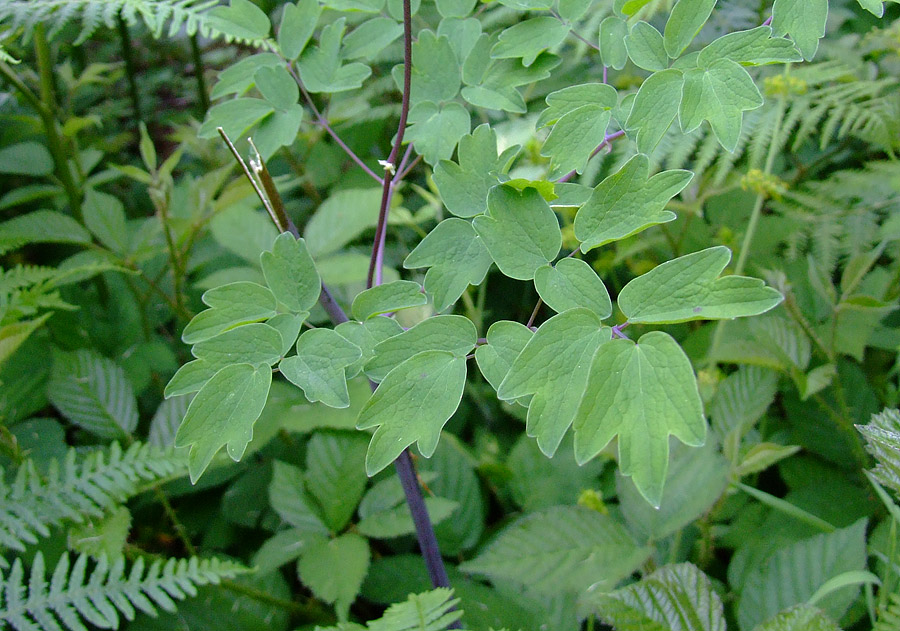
x,y
335,475
572,283
291,273
318,367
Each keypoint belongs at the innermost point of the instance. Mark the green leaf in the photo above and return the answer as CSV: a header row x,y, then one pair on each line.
x,y
104,215
527,39
371,37
231,305
564,548
400,294
700,293
334,570
719,94
452,333
434,130
882,434
340,219
655,108
318,367
435,70
41,226
571,10
223,413
190,378
240,19
753,47
793,575
685,21
875,7
26,158
643,392
105,537
430,611
462,33
366,335
298,22
412,404
742,398
277,86
553,367
456,258
238,78
248,344
289,325
613,52
505,340
646,48
335,476
804,20
234,117
572,283
288,498
321,67
565,101
630,7
799,618
241,229
455,8
464,187
520,231
93,392
291,273
282,548
397,521
574,137
628,202
673,598
527,5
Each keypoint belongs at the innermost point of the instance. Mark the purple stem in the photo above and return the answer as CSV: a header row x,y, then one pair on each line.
x,y
606,141
617,331
768,21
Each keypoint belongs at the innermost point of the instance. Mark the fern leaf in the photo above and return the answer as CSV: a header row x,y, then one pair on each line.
x,y
73,491
428,611
102,594
889,616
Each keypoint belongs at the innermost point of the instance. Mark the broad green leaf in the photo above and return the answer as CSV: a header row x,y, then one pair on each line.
x,y
190,377
719,94
643,393
289,325
249,344
803,20
527,39
882,434
335,476
277,86
452,333
493,83
520,231
342,217
234,117
26,158
366,335
685,21
565,101
462,33
689,288
400,294
794,573
756,46
371,37
240,19
630,7
231,305
565,548
456,258
527,5
243,230
334,570
41,226
464,187
434,130
291,273
321,67
505,340
238,78
571,10
646,48
628,202
673,598
554,367
318,367
435,70
412,404
104,215
284,547
455,8
799,618
875,7
613,52
298,22
397,521
762,456
572,283
655,108
288,498
223,413
574,137
364,6
93,392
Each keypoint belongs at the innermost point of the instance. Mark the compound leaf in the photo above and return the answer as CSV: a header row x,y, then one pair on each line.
x,y
451,333
655,108
753,47
336,477
291,273
231,305
685,21
434,130
527,39
400,294
572,283
646,48
318,367
804,20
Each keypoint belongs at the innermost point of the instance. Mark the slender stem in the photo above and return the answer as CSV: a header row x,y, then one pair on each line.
x,y
534,313
130,70
202,93
279,214
259,193
606,141
586,41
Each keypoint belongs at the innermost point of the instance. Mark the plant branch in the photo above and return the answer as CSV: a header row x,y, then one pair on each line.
x,y
130,70
202,93
606,142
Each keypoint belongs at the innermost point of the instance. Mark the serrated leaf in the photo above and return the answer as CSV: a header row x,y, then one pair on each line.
x,y
456,258
284,547
527,39
298,22
613,52
804,20
689,288
288,498
321,66
104,215
572,283
762,456
334,570
756,46
655,108
646,47
628,202
434,130
412,404
882,434
318,367
565,548
520,231
685,21
799,618
554,367
249,344
719,94
41,226
291,273
400,294
574,137
223,414
231,305
335,475
397,521
673,598
742,398
26,158
643,393
505,340
452,333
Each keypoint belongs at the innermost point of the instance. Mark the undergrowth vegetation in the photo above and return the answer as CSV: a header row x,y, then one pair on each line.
x,y
432,314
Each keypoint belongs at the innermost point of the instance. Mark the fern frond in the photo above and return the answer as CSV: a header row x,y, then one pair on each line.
x,y
889,616
74,491
101,594
428,611
160,16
